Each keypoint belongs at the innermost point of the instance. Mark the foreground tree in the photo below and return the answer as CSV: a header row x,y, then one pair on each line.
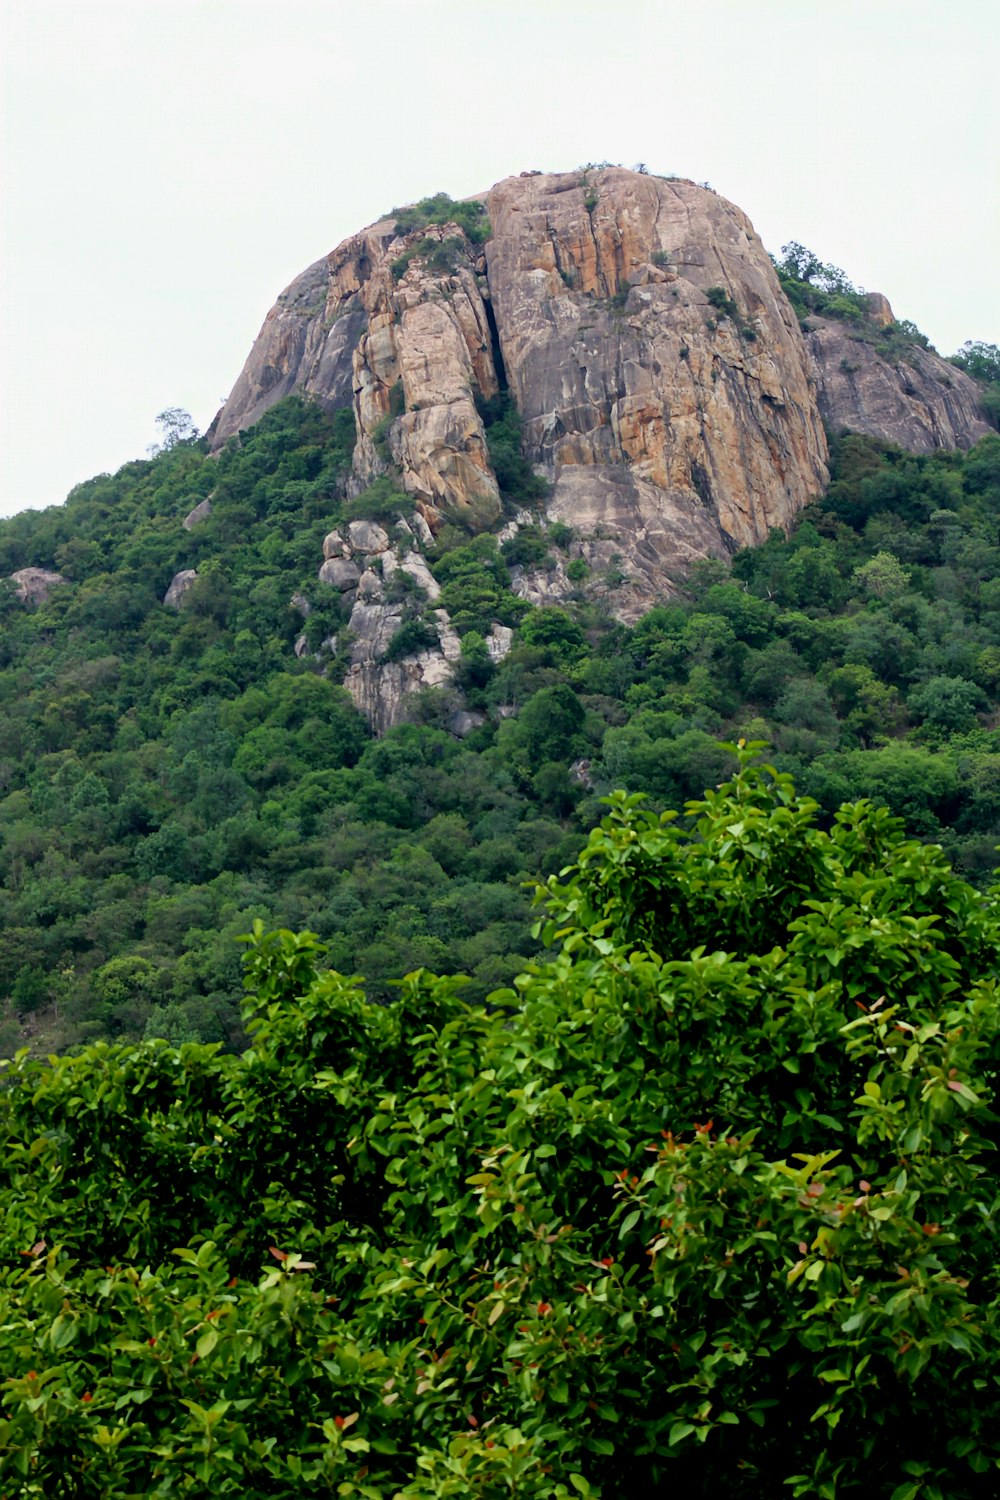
x,y
707,1199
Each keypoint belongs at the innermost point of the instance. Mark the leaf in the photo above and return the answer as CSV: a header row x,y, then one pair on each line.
x,y
62,1332
679,1431
206,1343
496,1311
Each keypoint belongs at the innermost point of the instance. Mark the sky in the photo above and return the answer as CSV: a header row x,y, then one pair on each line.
x,y
167,168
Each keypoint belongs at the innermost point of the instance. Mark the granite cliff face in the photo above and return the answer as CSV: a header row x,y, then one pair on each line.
x,y
694,422
629,375
667,391
919,402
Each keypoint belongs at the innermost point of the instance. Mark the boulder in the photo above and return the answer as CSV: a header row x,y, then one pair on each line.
x,y
367,537
340,573
499,641
464,721
201,512
35,585
416,566
334,545
180,585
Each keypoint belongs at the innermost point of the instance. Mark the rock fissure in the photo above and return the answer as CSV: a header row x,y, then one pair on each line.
x,y
495,349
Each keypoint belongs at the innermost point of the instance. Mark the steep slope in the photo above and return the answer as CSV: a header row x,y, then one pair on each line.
x,y
662,377
658,369
918,401
668,392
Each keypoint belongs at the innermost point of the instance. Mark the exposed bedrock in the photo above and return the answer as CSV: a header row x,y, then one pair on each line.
x,y
666,388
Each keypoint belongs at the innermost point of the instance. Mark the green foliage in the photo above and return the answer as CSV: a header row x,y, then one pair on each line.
x,y
439,256
526,549
167,777
476,587
982,362
382,501
703,1201
502,426
720,299
415,634
470,216
814,287
882,575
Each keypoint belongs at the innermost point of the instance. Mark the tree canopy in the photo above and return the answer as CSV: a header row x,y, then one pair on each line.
x,y
705,1198
167,776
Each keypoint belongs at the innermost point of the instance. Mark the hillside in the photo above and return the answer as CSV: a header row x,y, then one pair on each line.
x,y
298,672
706,1202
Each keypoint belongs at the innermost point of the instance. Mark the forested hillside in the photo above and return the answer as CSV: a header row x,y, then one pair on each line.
x,y
705,1205
171,775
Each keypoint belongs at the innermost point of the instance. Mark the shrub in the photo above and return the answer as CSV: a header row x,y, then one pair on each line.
x,y
705,1200
441,209
413,635
381,501
502,428
719,298
439,256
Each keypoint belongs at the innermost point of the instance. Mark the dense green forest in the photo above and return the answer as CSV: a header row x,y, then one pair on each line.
x,y
170,776
706,1204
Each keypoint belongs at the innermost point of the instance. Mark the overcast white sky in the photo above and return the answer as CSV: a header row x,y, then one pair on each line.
x,y
170,165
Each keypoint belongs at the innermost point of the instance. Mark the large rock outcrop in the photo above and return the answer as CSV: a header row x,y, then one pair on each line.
x,y
594,300
35,585
913,398
666,388
646,340
300,348
411,349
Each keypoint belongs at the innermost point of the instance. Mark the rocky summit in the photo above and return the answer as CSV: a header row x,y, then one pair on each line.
x,y
670,396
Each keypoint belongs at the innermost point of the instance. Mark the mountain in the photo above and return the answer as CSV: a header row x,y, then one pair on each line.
x,y
638,1181
370,686
670,398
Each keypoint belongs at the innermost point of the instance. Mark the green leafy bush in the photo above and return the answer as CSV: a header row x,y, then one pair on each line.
x,y
719,298
415,634
502,427
470,216
439,256
703,1201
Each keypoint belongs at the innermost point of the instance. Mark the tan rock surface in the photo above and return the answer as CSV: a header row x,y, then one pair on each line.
x,y
382,690
618,359
34,585
428,339
199,512
666,389
340,573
